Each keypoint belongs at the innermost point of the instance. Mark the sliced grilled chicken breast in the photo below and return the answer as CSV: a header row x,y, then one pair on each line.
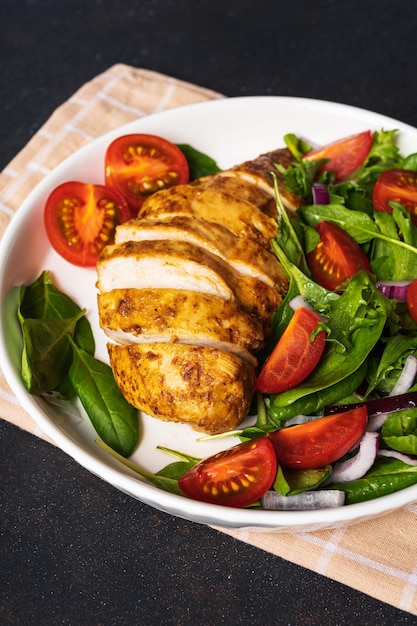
x,y
177,315
242,189
242,218
244,255
208,388
166,264
259,173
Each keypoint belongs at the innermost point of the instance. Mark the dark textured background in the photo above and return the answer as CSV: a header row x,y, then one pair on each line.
x,y
73,549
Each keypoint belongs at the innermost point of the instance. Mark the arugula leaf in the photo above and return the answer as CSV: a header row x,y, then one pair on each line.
x,y
394,251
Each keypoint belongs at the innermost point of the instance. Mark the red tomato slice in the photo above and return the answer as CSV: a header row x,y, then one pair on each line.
x,y
399,186
139,165
336,257
295,356
237,477
412,300
345,155
318,443
80,220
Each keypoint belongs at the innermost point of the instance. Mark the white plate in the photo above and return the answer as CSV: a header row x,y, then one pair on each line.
x,y
231,131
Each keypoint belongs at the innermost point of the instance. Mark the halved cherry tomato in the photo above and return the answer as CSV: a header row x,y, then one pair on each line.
x,y
236,477
296,354
412,300
336,257
345,155
318,443
396,185
81,218
139,165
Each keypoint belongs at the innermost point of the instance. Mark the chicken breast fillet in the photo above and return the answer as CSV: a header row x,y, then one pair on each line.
x,y
166,264
188,292
177,315
246,256
208,388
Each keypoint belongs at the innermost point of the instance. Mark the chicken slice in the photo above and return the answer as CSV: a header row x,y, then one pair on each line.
x,y
245,255
242,189
209,389
259,173
176,315
178,264
242,218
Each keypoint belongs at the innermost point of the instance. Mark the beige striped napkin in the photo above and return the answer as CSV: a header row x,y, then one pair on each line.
x,y
377,557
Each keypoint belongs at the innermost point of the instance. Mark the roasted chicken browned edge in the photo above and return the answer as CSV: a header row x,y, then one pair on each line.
x,y
187,293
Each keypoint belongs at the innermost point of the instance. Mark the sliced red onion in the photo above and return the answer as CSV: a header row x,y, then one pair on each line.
x,y
388,404
376,422
320,194
394,289
306,501
410,460
407,377
358,465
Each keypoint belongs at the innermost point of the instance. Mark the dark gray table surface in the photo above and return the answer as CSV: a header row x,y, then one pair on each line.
x,y
74,550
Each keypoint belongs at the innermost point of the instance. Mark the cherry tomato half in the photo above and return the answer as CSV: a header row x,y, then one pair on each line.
x,y
139,165
236,477
318,443
345,155
336,257
296,354
412,300
81,218
399,186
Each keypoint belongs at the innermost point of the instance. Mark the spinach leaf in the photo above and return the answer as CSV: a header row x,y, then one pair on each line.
x,y
399,431
47,352
199,163
297,481
386,476
42,300
359,225
114,419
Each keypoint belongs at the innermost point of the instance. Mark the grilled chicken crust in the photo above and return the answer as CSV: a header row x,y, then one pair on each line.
x,y
241,217
210,389
188,291
244,255
179,315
